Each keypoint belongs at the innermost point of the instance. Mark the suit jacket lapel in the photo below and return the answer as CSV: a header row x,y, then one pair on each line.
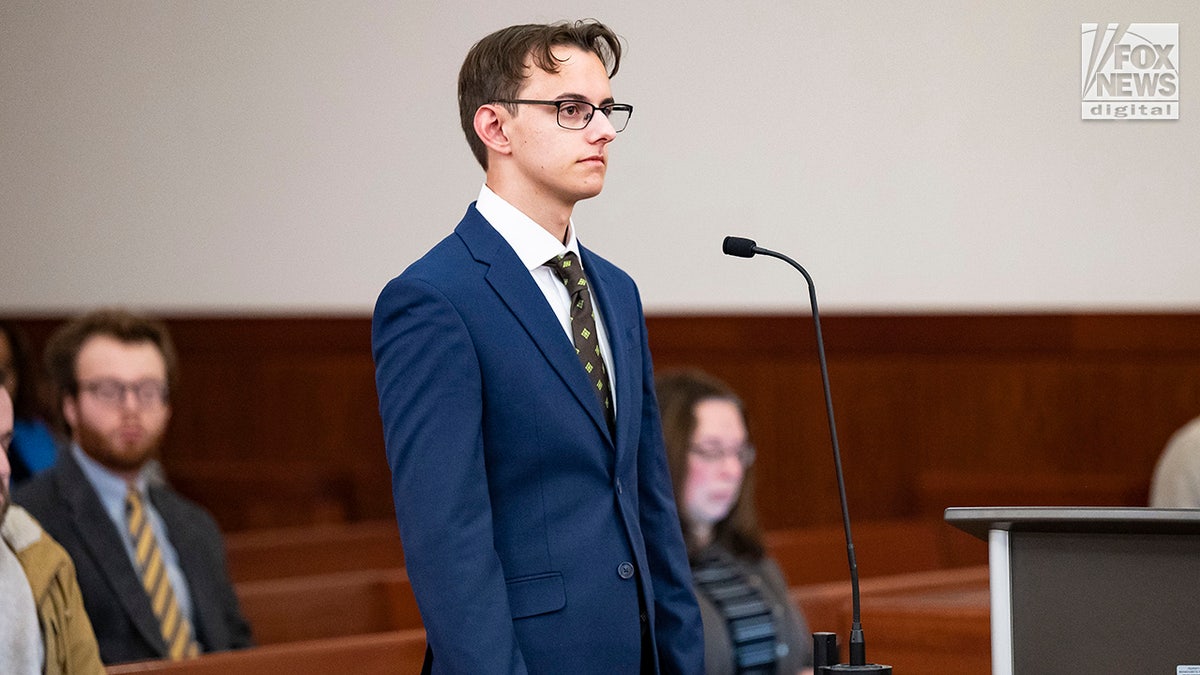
x,y
107,550
509,278
191,562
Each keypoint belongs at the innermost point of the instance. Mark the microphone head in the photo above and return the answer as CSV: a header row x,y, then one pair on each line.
x,y
739,246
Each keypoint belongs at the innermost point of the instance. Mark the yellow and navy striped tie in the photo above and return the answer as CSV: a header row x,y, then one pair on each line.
x,y
175,627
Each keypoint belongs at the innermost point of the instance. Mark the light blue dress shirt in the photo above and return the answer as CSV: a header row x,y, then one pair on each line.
x,y
112,490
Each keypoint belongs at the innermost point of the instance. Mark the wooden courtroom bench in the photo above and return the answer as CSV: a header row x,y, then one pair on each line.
x,y
321,549
807,554
817,553
376,654
328,605
308,607
247,494
921,623
931,622
810,554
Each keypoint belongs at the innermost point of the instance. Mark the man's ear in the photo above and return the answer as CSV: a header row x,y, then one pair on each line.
x,y
489,126
70,411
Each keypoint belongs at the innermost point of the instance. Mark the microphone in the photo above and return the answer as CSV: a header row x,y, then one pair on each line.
x,y
740,247
747,248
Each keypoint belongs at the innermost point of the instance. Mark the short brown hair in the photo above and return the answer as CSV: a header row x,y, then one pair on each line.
x,y
679,392
62,350
496,66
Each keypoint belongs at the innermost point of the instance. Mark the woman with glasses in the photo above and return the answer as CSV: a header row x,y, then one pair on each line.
x,y
750,623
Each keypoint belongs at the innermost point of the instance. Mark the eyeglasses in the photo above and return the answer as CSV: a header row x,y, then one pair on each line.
x,y
147,393
576,115
744,453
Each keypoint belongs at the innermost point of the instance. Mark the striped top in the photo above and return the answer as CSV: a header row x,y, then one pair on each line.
x,y
747,613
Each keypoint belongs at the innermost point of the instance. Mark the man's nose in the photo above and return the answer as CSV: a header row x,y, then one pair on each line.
x,y
130,400
604,126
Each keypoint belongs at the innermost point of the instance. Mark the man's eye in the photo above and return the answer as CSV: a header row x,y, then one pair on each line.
x,y
571,109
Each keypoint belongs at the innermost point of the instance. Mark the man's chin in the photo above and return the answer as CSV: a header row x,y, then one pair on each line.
x,y
114,454
125,460
588,194
589,190
122,463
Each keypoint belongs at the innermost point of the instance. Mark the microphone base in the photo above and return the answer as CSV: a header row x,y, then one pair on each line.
x,y
843,668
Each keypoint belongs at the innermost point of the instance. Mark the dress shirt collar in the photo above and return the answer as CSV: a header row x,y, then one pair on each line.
x,y
532,243
110,487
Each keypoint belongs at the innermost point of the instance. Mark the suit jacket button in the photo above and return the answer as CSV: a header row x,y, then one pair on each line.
x,y
625,570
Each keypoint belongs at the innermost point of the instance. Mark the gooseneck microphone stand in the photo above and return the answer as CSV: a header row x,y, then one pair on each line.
x,y
746,248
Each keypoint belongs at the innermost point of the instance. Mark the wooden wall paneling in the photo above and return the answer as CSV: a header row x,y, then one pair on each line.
x,y
878,446
771,362
276,421
300,397
795,479
1045,394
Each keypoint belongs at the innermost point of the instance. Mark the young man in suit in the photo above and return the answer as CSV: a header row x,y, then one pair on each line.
x,y
150,563
528,471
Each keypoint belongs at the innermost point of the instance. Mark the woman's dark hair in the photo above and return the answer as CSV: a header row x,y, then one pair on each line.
x,y
679,392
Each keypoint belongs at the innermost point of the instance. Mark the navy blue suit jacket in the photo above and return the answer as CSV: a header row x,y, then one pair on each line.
x,y
66,505
528,528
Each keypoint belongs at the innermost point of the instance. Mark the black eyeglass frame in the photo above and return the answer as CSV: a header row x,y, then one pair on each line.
x,y
745,453
113,392
606,108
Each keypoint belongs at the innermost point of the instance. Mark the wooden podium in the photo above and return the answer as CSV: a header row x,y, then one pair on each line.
x,y
1091,590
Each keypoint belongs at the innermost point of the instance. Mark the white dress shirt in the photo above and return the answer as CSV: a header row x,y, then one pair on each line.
x,y
535,246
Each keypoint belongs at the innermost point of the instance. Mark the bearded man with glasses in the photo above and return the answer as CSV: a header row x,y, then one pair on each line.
x,y
150,563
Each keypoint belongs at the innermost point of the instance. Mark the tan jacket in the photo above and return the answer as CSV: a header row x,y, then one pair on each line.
x,y
70,644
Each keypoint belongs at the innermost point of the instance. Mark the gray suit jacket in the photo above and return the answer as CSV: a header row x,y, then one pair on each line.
x,y
67,507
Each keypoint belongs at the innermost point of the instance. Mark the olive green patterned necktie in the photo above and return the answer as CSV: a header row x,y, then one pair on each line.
x,y
583,328
175,627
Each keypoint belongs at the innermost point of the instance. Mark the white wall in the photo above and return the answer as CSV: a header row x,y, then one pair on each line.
x,y
290,157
